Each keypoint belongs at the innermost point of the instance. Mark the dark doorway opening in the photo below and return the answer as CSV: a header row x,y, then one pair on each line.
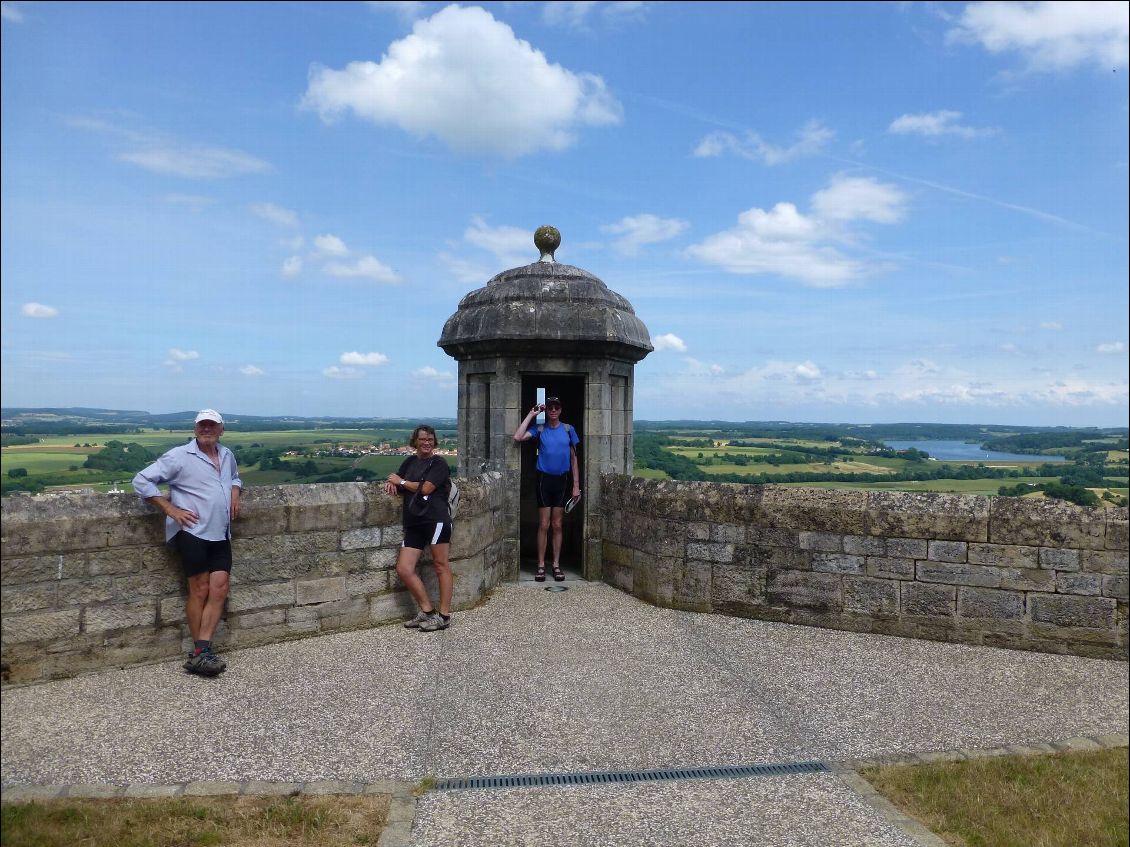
x,y
571,390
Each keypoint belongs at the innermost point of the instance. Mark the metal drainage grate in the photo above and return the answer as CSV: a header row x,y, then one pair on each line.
x,y
610,777
557,588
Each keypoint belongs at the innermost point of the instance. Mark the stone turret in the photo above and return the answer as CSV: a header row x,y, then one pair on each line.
x,y
547,329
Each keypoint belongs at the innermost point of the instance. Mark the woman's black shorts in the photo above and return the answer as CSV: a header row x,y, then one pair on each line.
x,y
424,535
198,556
553,490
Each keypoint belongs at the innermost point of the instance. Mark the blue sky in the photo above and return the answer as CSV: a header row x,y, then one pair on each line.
x,y
858,212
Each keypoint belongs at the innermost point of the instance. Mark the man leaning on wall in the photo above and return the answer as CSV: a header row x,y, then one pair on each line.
x,y
203,500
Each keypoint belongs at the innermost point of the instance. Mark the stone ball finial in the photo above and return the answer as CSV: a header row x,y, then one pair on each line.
x,y
547,239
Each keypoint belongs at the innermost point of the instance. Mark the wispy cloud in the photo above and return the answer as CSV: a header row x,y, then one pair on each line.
x,y
252,371
334,372
364,359
811,139
464,78
9,11
429,373
510,245
38,310
637,230
275,214
934,124
332,257
163,154
1111,347
577,14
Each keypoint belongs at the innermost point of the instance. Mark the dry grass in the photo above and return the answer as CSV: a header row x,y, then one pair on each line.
x,y
330,821
1063,800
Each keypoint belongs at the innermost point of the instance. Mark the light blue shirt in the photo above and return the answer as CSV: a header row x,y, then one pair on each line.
x,y
196,485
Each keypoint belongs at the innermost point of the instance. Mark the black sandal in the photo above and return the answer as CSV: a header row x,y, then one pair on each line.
x,y
558,574
539,574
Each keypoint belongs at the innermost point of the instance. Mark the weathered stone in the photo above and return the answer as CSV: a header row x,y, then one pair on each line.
x,y
28,597
1045,523
807,590
365,537
826,542
325,590
98,619
865,545
707,552
727,533
691,587
948,551
250,597
43,626
367,584
907,548
271,617
1116,587
1079,583
928,600
904,514
837,563
395,605
958,574
14,571
1026,579
1104,561
879,597
736,590
1059,560
91,589
828,510
987,603
1116,524
1070,611
1004,555
888,568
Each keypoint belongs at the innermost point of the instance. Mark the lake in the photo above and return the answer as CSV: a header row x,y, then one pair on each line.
x,y
955,451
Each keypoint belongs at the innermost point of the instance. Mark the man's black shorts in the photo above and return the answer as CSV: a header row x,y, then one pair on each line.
x,y
554,489
198,556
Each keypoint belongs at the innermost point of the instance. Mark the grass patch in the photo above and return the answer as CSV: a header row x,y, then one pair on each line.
x,y
1062,800
331,821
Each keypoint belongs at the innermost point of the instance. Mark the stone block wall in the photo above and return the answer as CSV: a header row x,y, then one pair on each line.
x,y
87,581
1025,573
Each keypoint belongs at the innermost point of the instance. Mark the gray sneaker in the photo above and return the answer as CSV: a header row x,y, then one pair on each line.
x,y
206,664
435,622
417,621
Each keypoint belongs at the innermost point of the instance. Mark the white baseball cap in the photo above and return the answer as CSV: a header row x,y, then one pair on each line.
x,y
209,415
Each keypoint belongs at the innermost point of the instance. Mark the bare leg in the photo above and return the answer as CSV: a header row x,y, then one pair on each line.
x,y
406,570
194,603
443,575
558,534
217,587
543,533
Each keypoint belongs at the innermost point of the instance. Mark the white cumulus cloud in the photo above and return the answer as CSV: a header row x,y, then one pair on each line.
x,y
638,230
430,373
330,245
365,267
1112,347
178,355
1050,36
38,310
668,341
292,266
367,359
464,77
252,371
943,122
789,243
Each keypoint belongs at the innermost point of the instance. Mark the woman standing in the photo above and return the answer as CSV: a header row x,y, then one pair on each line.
x,y
427,523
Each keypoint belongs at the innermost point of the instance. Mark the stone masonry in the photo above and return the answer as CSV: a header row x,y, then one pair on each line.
x,y
88,582
1022,573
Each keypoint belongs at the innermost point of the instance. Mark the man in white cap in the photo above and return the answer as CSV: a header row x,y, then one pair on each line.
x,y
203,500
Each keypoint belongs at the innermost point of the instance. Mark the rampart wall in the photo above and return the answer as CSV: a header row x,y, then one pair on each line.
x,y
87,581
1033,574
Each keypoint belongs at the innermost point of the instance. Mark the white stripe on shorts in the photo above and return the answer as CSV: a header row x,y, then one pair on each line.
x,y
438,532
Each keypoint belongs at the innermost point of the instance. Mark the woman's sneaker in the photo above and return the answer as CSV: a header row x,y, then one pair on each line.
x,y
417,621
434,622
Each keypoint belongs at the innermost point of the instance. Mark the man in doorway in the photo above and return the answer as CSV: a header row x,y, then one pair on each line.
x,y
203,500
558,476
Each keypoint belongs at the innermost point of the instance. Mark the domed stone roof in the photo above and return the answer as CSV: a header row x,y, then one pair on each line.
x,y
545,308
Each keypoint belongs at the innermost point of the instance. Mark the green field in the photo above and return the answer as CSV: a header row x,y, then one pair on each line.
x,y
956,486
